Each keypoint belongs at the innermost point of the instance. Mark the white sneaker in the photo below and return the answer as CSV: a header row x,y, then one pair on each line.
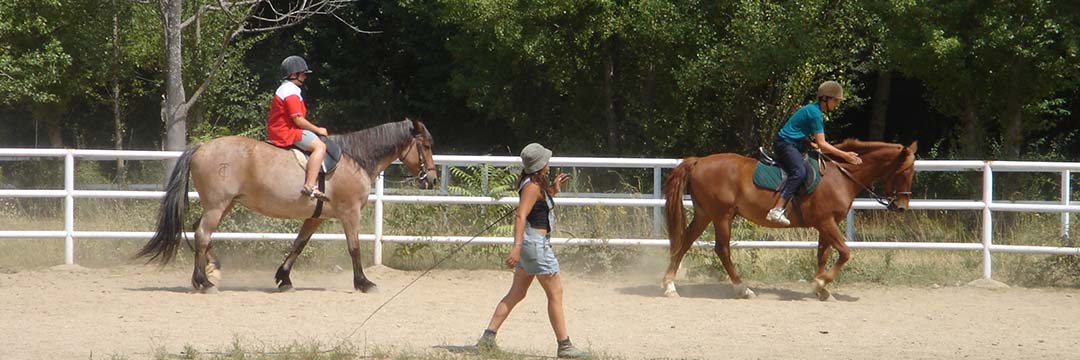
x,y
776,215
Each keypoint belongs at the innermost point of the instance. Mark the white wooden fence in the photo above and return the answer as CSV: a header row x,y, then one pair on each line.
x,y
987,205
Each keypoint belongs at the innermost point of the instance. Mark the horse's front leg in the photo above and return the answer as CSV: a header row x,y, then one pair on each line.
x,y
282,279
351,224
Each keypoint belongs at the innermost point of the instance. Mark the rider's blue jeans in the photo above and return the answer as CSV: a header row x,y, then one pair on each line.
x,y
791,161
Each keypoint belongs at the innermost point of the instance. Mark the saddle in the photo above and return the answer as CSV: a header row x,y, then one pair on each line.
x,y
330,161
769,175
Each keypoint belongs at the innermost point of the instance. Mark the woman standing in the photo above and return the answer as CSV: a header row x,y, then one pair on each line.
x,y
532,256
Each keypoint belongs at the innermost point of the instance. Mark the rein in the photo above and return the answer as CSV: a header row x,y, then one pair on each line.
x,y
887,201
452,253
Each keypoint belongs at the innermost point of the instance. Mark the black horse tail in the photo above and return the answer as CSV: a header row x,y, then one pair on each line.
x,y
674,213
170,227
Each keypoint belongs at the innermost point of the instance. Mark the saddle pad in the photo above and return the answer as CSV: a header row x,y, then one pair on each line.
x,y
771,177
330,161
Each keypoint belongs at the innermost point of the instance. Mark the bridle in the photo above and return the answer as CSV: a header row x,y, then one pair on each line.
x,y
888,201
423,169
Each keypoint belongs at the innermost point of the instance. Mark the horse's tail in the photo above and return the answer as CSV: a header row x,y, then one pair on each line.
x,y
673,206
170,225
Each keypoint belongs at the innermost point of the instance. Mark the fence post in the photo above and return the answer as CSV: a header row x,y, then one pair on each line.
x,y
987,221
69,208
378,219
658,227
1066,193
851,224
445,183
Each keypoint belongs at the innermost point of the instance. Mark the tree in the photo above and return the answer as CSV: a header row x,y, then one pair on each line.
x,y
989,63
49,58
234,18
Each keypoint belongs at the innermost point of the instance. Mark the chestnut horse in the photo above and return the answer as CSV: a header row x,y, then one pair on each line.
x,y
721,187
268,179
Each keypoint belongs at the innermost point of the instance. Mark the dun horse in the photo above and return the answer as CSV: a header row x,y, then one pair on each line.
x,y
721,187
267,179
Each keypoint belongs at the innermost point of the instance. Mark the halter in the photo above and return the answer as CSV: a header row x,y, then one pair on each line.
x,y
888,201
422,170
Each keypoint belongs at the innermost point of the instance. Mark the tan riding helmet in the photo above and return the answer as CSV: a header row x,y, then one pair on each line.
x,y
831,89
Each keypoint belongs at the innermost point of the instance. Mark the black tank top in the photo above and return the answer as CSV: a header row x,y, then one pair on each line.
x,y
538,215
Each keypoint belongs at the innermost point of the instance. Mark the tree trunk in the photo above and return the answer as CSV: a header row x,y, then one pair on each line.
x,y
880,106
118,122
747,124
609,100
1013,120
174,111
56,139
50,116
971,137
1013,129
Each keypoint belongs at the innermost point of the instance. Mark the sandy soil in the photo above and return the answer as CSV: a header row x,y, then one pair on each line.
x,y
71,312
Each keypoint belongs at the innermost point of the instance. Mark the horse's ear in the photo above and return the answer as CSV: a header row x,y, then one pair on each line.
x,y
913,147
417,126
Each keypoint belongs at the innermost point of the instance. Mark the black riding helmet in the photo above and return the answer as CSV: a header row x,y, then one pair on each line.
x,y
292,65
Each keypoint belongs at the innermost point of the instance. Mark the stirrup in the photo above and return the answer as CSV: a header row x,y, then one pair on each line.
x,y
314,193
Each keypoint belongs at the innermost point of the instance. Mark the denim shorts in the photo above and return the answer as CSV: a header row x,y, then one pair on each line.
x,y
537,257
306,138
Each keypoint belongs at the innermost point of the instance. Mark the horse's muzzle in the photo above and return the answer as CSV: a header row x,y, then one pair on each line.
x,y
425,184
896,208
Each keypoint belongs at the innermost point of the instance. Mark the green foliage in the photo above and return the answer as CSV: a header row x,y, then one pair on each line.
x,y
641,78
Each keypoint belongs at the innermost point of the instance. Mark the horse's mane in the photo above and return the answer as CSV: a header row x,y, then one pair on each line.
x,y
875,151
867,147
370,145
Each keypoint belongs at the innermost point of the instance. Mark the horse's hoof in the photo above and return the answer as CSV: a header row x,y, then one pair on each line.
x,y
213,274
209,290
744,292
669,289
820,290
285,288
366,286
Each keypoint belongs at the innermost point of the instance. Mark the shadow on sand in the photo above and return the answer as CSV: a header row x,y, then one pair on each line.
x,y
727,291
189,290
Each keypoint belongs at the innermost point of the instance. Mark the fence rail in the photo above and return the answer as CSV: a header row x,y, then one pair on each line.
x,y
987,205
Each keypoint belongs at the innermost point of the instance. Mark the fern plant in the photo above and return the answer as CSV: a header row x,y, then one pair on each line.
x,y
479,180
490,181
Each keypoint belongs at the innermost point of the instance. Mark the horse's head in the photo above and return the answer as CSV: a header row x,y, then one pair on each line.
x,y
898,184
417,156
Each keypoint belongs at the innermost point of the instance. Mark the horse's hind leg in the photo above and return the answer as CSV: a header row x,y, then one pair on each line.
x,y
693,231
351,224
722,225
829,235
213,271
282,276
205,262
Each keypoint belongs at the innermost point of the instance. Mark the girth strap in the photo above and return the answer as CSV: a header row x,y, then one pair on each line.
x,y
318,202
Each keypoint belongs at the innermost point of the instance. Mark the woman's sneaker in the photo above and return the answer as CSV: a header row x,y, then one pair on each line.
x,y
567,350
487,342
776,215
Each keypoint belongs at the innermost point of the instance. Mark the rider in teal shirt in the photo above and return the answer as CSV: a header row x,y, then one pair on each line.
x,y
803,125
806,126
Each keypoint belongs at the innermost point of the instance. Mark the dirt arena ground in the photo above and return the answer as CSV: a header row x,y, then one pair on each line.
x,y
69,312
